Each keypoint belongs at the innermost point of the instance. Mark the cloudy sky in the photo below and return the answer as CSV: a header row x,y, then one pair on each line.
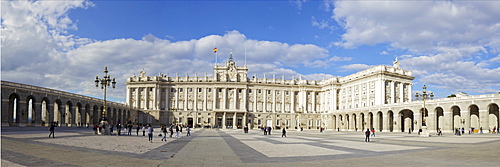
x,y
451,46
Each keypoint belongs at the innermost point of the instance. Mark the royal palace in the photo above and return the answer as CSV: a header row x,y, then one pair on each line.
x,y
379,98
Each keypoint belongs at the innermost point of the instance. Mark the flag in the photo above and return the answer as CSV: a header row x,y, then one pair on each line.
x,y
215,50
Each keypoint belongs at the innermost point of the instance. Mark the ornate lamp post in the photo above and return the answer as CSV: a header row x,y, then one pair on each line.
x,y
105,83
425,113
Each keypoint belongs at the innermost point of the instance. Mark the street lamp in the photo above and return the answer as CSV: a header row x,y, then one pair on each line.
x,y
425,113
105,83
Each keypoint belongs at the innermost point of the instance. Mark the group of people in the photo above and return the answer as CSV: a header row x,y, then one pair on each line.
x,y
369,133
266,130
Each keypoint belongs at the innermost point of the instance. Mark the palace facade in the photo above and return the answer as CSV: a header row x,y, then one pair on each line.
x,y
231,99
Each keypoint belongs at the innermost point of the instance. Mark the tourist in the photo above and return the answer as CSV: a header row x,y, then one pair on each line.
x,y
150,133
119,129
188,129
177,131
95,128
439,132
130,128
171,130
480,130
180,130
265,130
51,129
143,130
367,135
283,132
463,130
137,130
373,132
164,131
409,131
268,130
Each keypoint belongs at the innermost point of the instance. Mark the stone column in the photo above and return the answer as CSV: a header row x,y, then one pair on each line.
x,y
313,102
465,114
385,123
393,93
376,124
401,92
186,98
244,106
483,120
5,111
396,122
22,112
417,117
234,121
359,123
432,122
224,121
292,101
138,97
205,99
448,122
254,106
195,99
409,92
146,98
273,106
37,113
215,96
235,96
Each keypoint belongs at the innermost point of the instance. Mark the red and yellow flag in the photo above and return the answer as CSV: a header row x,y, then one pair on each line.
x,y
215,50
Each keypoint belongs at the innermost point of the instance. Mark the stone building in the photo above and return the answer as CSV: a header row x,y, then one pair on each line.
x,y
231,99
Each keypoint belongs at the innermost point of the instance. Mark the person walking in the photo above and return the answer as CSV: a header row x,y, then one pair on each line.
x,y
164,131
143,130
188,129
137,129
130,128
177,131
51,129
150,133
373,132
367,134
119,129
171,130
283,132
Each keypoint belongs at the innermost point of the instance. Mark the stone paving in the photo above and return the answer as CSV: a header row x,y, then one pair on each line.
x,y
30,146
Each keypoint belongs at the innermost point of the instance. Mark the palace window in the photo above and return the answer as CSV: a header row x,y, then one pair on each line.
x,y
180,89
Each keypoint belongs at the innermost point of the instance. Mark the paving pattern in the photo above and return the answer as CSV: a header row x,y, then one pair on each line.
x,y
30,146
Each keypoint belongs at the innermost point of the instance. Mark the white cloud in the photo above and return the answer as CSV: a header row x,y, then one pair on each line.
x,y
449,41
355,67
36,49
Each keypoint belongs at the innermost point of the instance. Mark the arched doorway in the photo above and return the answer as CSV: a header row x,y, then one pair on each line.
x,y
439,118
474,118
407,120
493,113
456,116
390,121
13,109
380,121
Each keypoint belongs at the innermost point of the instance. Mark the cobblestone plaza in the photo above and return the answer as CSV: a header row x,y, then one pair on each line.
x,y
30,146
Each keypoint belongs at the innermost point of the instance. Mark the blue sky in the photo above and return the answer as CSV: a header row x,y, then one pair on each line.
x,y
451,46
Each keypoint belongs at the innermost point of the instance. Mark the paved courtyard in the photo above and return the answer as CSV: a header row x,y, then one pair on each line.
x,y
30,146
